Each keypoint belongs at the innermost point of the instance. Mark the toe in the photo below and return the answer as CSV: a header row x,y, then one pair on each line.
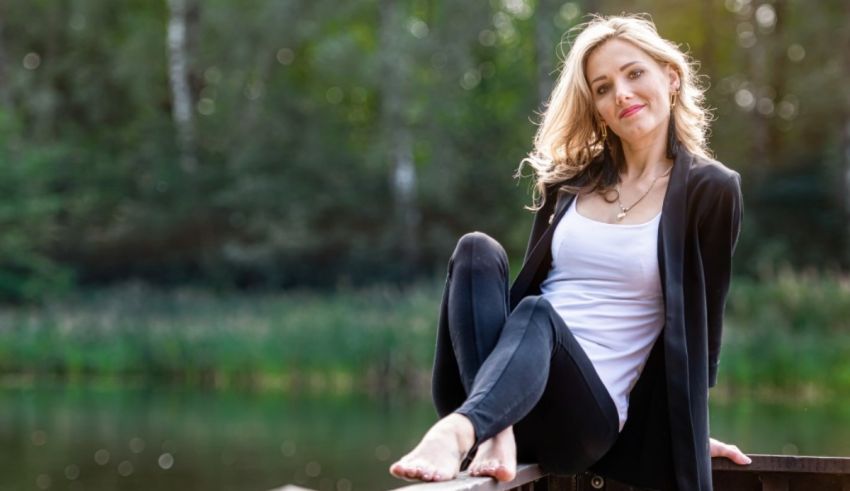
x,y
504,473
408,472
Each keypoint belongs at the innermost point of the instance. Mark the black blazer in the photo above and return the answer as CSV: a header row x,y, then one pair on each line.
x,y
664,443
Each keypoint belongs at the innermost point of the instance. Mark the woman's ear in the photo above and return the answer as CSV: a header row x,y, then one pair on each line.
x,y
673,77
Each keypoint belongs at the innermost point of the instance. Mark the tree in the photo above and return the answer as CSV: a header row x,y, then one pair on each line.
x,y
5,99
396,72
845,140
183,14
546,40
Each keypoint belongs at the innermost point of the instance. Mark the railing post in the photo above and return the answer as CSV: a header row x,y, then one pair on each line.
x,y
773,482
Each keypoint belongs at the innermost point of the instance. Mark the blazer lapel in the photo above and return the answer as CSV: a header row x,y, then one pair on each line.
x,y
541,250
671,249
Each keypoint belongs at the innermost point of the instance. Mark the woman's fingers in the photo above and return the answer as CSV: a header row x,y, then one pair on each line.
x,y
731,452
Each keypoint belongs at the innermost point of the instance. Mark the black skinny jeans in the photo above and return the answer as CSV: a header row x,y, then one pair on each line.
x,y
521,368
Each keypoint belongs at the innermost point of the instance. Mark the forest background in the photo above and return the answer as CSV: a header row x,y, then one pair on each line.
x,y
268,192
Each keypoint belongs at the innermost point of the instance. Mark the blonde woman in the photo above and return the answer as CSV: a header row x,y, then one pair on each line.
x,y
601,353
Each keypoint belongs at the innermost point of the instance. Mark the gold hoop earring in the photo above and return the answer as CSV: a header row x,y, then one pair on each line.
x,y
673,98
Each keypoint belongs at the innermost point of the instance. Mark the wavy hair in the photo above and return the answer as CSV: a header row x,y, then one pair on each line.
x,y
569,148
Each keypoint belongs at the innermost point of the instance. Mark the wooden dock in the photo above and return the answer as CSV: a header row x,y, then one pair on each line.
x,y
765,473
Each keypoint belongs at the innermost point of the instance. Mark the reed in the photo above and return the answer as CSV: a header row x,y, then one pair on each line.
x,y
788,334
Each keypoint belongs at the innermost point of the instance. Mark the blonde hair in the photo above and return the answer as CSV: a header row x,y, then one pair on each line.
x,y
569,139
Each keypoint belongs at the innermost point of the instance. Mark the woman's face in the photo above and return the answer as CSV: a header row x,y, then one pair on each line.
x,y
631,91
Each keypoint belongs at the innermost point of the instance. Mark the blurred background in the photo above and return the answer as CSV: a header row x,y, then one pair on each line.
x,y
224,225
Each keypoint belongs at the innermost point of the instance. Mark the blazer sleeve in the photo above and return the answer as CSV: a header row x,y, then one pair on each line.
x,y
718,232
541,222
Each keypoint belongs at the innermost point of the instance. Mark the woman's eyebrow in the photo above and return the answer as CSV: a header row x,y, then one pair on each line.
x,y
621,69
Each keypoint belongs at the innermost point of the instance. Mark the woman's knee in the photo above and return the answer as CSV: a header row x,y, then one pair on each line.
x,y
534,310
479,251
533,306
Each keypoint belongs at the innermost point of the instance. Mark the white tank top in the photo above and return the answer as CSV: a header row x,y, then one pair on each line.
x,y
604,282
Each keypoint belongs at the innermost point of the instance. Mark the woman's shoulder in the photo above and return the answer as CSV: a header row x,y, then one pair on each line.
x,y
711,176
709,169
715,189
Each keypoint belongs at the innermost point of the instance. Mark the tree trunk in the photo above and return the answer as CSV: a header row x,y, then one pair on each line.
x,y
708,23
179,62
546,40
846,134
396,72
5,95
779,77
767,68
759,151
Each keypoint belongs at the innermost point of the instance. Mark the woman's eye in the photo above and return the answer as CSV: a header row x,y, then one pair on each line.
x,y
602,89
636,73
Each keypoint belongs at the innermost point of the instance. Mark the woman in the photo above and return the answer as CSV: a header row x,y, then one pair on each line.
x,y
601,354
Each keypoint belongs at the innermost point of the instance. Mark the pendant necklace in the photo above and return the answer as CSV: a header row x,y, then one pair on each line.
x,y
626,209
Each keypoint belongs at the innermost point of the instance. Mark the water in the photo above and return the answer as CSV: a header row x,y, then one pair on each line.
x,y
89,438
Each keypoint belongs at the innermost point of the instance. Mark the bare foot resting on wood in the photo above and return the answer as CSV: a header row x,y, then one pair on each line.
x,y
440,453
496,457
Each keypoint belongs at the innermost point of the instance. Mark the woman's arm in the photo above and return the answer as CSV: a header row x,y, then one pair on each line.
x,y
718,234
719,228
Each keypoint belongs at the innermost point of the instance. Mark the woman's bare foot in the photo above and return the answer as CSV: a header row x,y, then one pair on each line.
x,y
439,454
496,457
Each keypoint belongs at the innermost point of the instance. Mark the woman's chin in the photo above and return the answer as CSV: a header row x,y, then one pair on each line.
x,y
640,134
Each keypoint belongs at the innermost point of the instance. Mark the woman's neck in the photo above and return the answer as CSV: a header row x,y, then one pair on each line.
x,y
646,159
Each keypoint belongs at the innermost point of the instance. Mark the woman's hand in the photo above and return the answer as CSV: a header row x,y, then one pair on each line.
x,y
731,452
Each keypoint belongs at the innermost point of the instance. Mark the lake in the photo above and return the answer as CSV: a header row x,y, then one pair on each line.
x,y
108,436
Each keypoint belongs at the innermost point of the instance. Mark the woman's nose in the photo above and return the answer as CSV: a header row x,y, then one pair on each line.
x,y
623,94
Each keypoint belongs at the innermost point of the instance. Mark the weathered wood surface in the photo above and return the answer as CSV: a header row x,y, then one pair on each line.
x,y
784,473
765,473
526,474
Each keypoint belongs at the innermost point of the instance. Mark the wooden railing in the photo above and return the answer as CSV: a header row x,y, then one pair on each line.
x,y
765,473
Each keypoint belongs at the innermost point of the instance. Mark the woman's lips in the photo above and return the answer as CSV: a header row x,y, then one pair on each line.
x,y
631,110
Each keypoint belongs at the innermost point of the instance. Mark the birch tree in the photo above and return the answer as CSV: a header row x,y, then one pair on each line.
x,y
396,72
179,62
546,39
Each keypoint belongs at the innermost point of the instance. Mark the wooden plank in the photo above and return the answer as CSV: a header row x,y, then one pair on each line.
x,y
774,482
786,463
766,472
526,473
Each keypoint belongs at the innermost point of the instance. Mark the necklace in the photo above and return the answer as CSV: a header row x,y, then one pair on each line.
x,y
626,209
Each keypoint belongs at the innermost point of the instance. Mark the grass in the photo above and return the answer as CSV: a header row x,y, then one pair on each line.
x,y
380,336
788,334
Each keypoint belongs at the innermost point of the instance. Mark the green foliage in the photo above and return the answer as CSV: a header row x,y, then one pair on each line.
x,y
29,214
786,334
381,335
788,330
295,105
